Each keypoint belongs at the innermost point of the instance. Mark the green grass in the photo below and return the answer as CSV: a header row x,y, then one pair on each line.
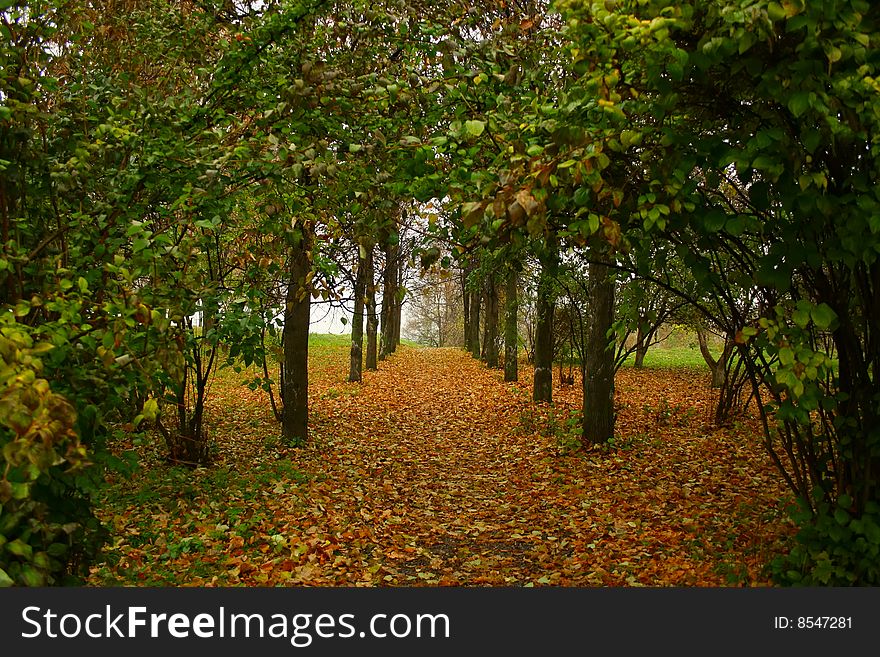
x,y
663,357
329,340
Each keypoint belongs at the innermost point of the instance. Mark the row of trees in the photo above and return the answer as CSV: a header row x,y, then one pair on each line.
x,y
236,161
645,315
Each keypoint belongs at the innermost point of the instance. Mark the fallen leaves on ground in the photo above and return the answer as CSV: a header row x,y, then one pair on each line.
x,y
432,471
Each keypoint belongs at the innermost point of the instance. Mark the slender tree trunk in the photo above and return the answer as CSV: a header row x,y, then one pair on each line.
x,y
484,299
438,317
474,344
546,304
491,322
511,337
372,317
389,294
398,306
641,348
598,408
466,303
295,341
357,322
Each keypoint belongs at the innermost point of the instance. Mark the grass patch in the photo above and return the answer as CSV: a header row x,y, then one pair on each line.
x,y
671,357
319,340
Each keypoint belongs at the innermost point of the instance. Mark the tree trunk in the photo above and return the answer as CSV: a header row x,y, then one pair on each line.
x,y
389,295
438,318
491,342
717,367
357,322
641,348
295,341
598,407
546,304
372,317
511,336
398,307
474,342
466,303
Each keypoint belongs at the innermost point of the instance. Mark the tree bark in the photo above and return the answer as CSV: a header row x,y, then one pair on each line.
x,y
641,348
598,405
474,341
466,303
511,337
484,299
372,317
389,301
357,322
542,390
491,342
398,305
295,342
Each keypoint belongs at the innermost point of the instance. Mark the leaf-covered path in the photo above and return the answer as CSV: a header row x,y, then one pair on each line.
x,y
444,486
434,471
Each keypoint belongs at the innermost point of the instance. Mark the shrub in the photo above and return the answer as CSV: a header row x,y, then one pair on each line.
x,y
48,534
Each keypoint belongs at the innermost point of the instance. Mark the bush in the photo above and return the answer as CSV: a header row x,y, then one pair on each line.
x,y
48,534
834,547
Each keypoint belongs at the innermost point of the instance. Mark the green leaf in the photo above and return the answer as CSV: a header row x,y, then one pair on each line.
x,y
786,356
474,128
31,577
763,162
151,409
5,579
56,550
19,548
715,220
823,317
41,560
20,491
22,308
799,103
776,12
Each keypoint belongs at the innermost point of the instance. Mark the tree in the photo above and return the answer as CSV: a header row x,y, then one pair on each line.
x,y
490,335
546,300
435,309
598,380
295,339
372,317
357,320
511,325
781,190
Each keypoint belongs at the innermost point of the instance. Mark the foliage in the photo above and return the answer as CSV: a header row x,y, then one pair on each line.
x,y
650,140
47,532
166,161
835,547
